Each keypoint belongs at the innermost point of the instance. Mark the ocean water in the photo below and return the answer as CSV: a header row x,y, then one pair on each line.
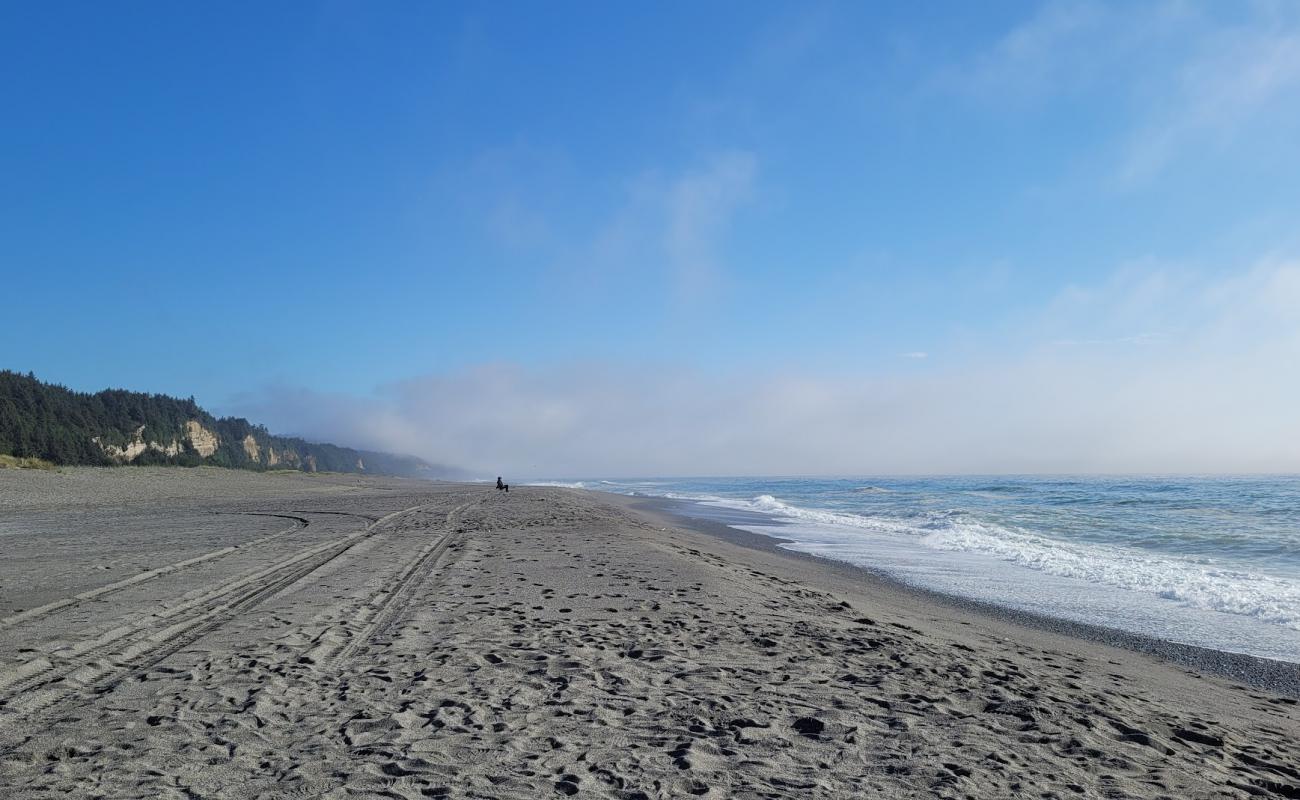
x,y
1209,561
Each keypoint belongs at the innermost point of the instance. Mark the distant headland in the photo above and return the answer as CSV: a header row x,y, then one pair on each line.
x,y
43,423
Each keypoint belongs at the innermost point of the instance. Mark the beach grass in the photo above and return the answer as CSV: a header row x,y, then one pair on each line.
x,y
17,462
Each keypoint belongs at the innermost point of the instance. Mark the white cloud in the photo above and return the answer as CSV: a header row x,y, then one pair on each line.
x,y
700,205
914,354
673,227
1177,79
665,226
1038,54
1217,396
1234,79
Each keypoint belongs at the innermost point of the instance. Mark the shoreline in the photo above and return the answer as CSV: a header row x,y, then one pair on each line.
x,y
339,637
1272,675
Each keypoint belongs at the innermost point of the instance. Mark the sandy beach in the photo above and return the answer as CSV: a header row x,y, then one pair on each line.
x,y
170,633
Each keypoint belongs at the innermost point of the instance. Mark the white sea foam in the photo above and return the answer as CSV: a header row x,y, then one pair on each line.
x,y
767,504
559,484
1266,598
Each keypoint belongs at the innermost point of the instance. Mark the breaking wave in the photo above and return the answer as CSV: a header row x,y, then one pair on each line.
x,y
1190,581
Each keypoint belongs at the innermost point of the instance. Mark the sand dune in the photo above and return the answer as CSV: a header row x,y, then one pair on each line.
x,y
377,638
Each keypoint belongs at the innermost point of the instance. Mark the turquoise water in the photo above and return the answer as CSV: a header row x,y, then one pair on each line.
x,y
1212,561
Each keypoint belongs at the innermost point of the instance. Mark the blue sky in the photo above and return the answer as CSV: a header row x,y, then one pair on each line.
x,y
397,225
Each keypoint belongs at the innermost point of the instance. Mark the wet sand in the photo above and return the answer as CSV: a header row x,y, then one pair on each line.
x,y
202,633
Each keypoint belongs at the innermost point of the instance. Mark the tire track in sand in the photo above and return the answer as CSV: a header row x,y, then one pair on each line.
x,y
391,600
149,574
101,663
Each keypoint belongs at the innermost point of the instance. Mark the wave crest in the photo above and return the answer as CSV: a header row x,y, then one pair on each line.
x,y
1266,598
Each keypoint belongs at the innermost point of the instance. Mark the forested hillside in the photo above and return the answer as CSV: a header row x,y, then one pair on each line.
x,y
45,421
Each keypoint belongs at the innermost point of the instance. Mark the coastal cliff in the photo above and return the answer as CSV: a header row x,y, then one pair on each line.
x,y
53,423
